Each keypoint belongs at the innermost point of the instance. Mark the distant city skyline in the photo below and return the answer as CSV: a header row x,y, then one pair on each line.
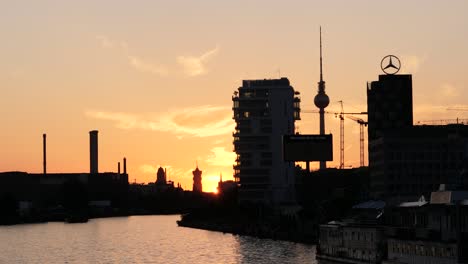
x,y
156,78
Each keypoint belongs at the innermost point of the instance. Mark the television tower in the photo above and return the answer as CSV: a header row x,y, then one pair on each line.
x,y
321,100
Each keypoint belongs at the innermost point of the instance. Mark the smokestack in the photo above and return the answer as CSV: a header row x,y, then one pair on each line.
x,y
118,167
125,165
93,152
44,152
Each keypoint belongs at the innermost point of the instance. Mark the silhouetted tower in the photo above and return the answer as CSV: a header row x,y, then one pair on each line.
x,y
44,152
197,180
161,176
321,100
93,151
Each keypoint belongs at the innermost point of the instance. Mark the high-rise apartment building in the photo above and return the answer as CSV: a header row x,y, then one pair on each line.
x,y
264,111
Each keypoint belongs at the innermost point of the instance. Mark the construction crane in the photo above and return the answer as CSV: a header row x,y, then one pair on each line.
x,y
362,124
341,115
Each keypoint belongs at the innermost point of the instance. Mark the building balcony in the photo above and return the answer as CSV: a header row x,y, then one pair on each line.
x,y
239,147
243,129
242,163
297,115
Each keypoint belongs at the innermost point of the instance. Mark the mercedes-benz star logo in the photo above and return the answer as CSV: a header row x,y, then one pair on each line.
x,y
390,64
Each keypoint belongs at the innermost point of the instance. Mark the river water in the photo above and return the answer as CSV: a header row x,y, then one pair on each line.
x,y
140,239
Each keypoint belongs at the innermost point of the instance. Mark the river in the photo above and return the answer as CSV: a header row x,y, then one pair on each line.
x,y
140,239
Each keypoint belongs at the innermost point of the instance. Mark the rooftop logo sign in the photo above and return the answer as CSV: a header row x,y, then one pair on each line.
x,y
390,64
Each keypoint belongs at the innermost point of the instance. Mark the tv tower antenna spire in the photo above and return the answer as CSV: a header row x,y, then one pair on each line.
x,y
321,75
321,100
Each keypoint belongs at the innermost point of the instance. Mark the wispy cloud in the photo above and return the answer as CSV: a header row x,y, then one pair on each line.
x,y
194,66
429,109
201,121
221,157
147,168
448,91
412,63
139,64
105,41
134,61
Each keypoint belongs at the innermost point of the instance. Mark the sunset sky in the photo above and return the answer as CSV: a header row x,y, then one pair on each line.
x,y
156,77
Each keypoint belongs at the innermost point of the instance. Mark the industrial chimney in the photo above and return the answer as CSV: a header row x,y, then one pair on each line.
x,y
44,152
124,165
93,151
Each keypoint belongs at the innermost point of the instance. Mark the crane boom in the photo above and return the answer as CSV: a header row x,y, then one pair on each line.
x,y
341,115
362,124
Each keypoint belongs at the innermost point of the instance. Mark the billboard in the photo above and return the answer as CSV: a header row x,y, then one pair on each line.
x,y
308,147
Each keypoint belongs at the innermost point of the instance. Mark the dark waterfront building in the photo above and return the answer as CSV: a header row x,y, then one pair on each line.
x,y
421,231
197,180
359,238
407,161
429,231
264,111
389,104
414,161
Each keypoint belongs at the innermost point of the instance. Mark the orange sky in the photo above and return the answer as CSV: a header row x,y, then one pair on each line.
x,y
156,78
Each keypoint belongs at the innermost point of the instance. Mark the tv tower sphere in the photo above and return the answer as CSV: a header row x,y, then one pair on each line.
x,y
321,100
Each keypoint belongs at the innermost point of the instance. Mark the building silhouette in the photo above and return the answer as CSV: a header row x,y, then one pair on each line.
x,y
93,151
407,161
42,191
414,161
161,176
197,180
389,104
264,111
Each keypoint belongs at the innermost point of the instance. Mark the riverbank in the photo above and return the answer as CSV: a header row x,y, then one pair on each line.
x,y
61,216
271,227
